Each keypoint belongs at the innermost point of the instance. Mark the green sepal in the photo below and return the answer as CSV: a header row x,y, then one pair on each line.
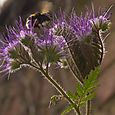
x,y
28,41
13,54
15,65
51,54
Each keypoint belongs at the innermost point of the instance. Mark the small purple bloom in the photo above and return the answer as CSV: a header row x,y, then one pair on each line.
x,y
5,56
48,39
11,47
52,46
80,26
47,46
20,31
83,35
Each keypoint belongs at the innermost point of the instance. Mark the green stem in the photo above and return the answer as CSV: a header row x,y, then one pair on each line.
x,y
73,68
58,88
88,106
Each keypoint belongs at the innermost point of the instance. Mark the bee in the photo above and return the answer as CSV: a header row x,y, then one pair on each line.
x,y
40,19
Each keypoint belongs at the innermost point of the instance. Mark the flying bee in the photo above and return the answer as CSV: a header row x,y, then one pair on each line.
x,y
40,19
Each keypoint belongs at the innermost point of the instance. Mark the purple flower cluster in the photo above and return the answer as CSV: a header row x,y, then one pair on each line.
x,y
5,56
52,46
84,38
10,45
81,26
48,39
46,43
52,42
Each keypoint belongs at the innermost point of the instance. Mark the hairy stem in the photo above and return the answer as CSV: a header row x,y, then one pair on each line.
x,y
58,88
88,107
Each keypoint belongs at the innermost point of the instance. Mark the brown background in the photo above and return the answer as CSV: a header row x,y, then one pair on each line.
x,y
28,93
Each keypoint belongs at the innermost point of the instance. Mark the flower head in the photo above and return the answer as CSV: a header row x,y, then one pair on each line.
x,y
83,35
78,36
81,26
13,54
23,45
51,47
6,59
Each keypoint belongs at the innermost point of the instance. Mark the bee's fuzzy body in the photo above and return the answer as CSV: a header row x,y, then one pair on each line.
x,y
37,20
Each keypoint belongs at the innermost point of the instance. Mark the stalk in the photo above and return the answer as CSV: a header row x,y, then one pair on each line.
x,y
58,88
88,107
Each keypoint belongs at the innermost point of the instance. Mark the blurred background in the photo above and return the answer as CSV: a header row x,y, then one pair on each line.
x,y
27,92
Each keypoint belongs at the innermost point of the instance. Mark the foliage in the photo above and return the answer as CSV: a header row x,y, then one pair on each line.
x,y
84,92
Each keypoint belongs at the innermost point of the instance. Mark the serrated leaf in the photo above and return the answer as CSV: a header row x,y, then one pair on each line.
x,y
67,110
88,97
90,89
92,75
72,96
86,91
90,82
79,90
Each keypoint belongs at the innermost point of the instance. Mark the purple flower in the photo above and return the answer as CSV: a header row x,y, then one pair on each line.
x,y
48,40
12,51
20,31
22,45
83,35
52,48
80,26
6,60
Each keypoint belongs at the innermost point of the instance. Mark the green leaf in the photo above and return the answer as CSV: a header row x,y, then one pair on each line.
x,y
79,90
15,65
67,110
88,97
91,80
86,91
72,96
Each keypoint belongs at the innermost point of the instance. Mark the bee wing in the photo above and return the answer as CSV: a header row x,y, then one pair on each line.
x,y
46,7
